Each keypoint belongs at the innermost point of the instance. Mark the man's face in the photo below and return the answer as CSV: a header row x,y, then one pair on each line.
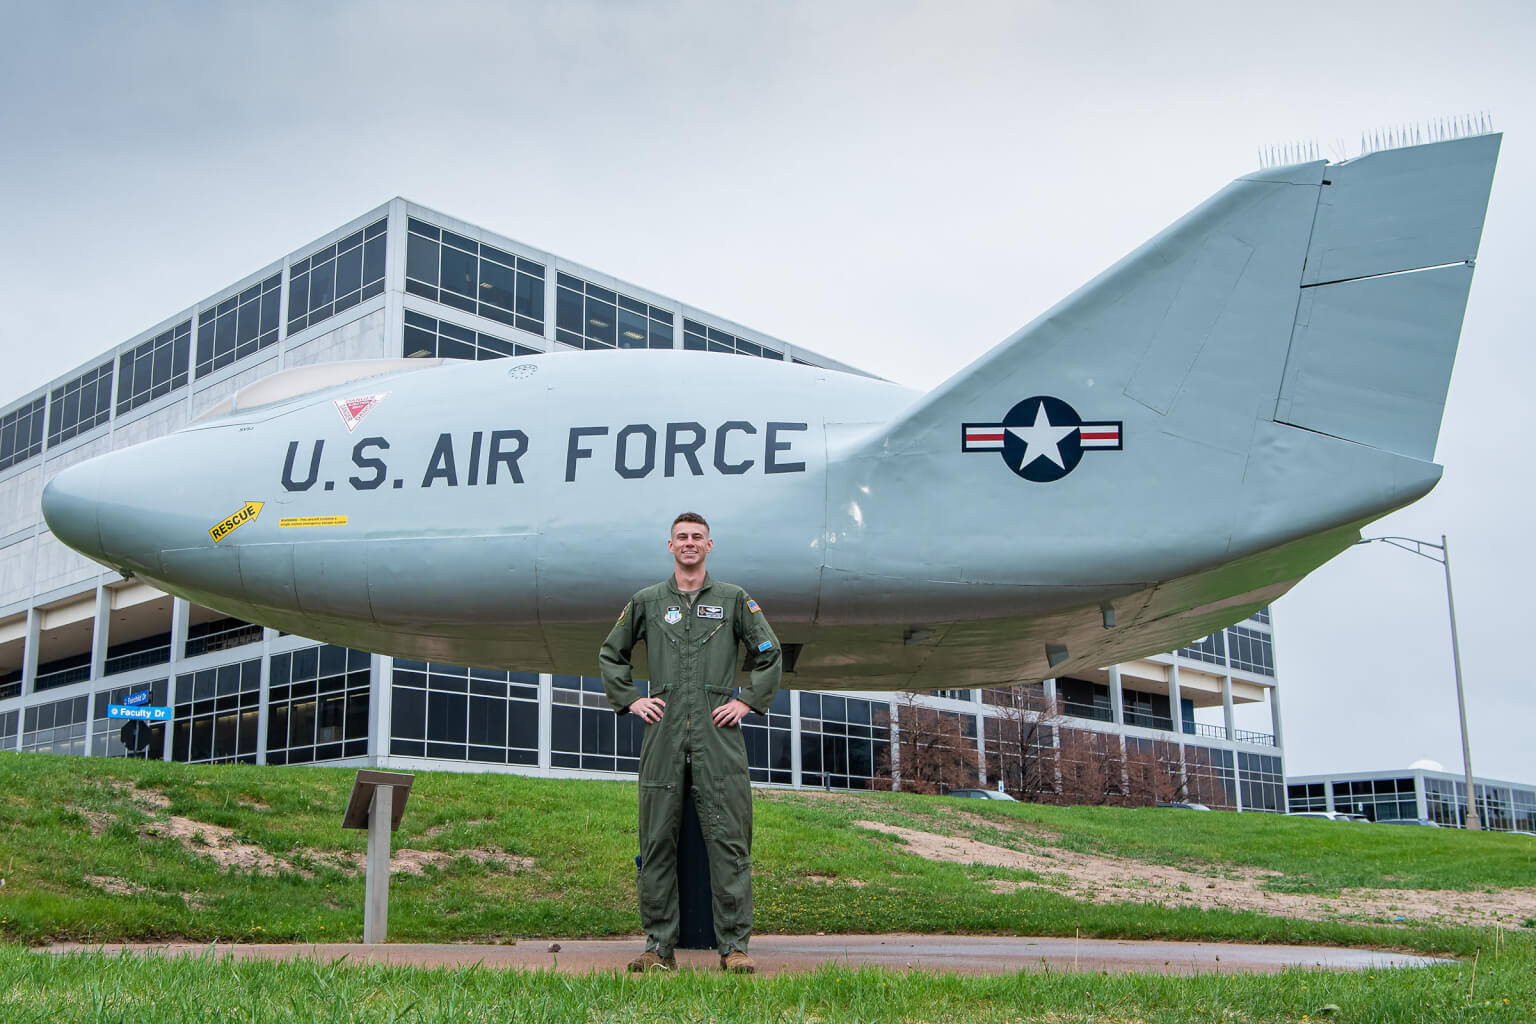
x,y
689,543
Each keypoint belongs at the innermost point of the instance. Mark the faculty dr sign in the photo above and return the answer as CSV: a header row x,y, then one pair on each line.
x,y
145,713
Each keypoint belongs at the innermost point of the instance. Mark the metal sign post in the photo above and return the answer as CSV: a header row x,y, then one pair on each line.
x,y
376,806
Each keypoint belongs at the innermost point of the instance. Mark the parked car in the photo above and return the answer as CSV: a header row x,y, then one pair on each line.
x,y
1427,823
1330,815
981,794
1187,806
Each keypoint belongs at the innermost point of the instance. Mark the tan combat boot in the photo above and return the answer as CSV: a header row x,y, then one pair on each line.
x,y
650,960
737,962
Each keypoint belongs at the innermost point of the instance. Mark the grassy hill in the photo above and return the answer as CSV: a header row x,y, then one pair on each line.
x,y
105,850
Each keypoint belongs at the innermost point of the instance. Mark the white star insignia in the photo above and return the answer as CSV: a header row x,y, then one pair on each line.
x,y
1042,440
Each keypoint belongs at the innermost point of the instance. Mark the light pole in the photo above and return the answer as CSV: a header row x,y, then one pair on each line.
x,y
1422,548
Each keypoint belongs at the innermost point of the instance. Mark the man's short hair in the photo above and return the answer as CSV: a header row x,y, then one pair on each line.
x,y
689,517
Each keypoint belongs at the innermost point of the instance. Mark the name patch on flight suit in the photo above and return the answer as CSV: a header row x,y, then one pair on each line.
x,y
711,611
674,615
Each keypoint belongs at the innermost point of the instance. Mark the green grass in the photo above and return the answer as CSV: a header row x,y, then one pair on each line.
x,y
92,987
561,861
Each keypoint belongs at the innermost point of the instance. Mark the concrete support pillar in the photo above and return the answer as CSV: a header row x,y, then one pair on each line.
x,y
101,630
1274,718
1175,700
1050,695
1116,696
546,719
29,651
895,747
981,749
1237,779
1226,708
263,720
181,614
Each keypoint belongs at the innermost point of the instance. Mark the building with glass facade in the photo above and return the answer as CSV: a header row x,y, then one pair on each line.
x,y
1417,793
403,280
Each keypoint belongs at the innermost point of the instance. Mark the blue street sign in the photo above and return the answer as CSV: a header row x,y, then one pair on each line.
x,y
135,699
142,714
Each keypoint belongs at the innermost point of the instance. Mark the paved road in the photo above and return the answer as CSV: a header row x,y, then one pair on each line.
x,y
961,954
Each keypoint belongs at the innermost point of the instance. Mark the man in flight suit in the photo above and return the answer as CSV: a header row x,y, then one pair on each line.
x,y
693,627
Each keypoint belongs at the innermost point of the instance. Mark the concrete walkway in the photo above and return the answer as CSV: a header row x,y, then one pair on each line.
x,y
961,954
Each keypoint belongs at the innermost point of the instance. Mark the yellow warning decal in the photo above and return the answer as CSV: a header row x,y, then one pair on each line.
x,y
235,520
287,522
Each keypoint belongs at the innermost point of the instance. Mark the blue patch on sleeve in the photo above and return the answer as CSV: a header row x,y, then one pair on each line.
x,y
765,645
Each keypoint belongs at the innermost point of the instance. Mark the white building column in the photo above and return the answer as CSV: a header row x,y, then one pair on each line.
x,y
981,749
181,615
1226,707
263,720
1274,717
1175,701
1050,695
29,653
1116,696
547,719
895,748
100,632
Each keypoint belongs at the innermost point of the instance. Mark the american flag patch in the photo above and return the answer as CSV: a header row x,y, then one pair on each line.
x,y
752,606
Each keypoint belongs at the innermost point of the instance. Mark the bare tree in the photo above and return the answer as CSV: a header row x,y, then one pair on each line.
x,y
935,750
1021,741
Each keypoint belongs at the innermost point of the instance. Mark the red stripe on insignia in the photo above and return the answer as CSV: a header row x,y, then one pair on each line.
x,y
1112,435
974,436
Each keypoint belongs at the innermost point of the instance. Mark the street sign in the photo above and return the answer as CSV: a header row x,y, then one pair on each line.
x,y
135,699
148,713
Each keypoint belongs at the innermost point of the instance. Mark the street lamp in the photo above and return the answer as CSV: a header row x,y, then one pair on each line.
x,y
1423,549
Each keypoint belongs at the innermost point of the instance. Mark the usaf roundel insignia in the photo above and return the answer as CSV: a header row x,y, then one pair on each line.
x,y
1042,439
674,615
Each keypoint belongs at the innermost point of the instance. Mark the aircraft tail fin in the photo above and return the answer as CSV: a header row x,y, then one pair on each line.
x,y
1272,366
1324,296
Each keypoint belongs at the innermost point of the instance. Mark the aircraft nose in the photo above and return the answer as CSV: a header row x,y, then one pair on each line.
x,y
72,509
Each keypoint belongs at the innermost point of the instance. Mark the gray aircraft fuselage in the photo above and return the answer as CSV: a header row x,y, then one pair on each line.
x,y
1167,450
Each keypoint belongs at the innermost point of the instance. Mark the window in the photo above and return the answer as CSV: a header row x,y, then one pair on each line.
x,y
1264,783
1251,650
220,635
238,326
587,734
457,271
592,317
336,278
465,714
318,709
56,728
1209,777
1147,710
768,741
1309,796
966,695
108,734
1445,802
700,338
21,433
83,403
1262,615
71,668
844,740
425,336
1377,799
1211,650
8,721
1083,699
155,368
132,654
217,714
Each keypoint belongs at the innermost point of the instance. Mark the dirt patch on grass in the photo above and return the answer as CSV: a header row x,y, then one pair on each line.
x,y
1102,879
852,883
416,862
449,826
218,844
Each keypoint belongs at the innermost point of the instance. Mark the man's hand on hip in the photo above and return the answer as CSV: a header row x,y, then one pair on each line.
x,y
730,713
648,708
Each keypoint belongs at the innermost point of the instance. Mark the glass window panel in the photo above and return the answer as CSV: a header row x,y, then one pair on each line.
x,y
600,322
421,259
349,271
458,272
632,329
498,285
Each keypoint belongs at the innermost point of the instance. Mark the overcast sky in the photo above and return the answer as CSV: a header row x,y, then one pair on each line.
x,y
896,185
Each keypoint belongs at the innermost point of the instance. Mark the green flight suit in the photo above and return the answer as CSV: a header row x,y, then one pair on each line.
x,y
693,653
